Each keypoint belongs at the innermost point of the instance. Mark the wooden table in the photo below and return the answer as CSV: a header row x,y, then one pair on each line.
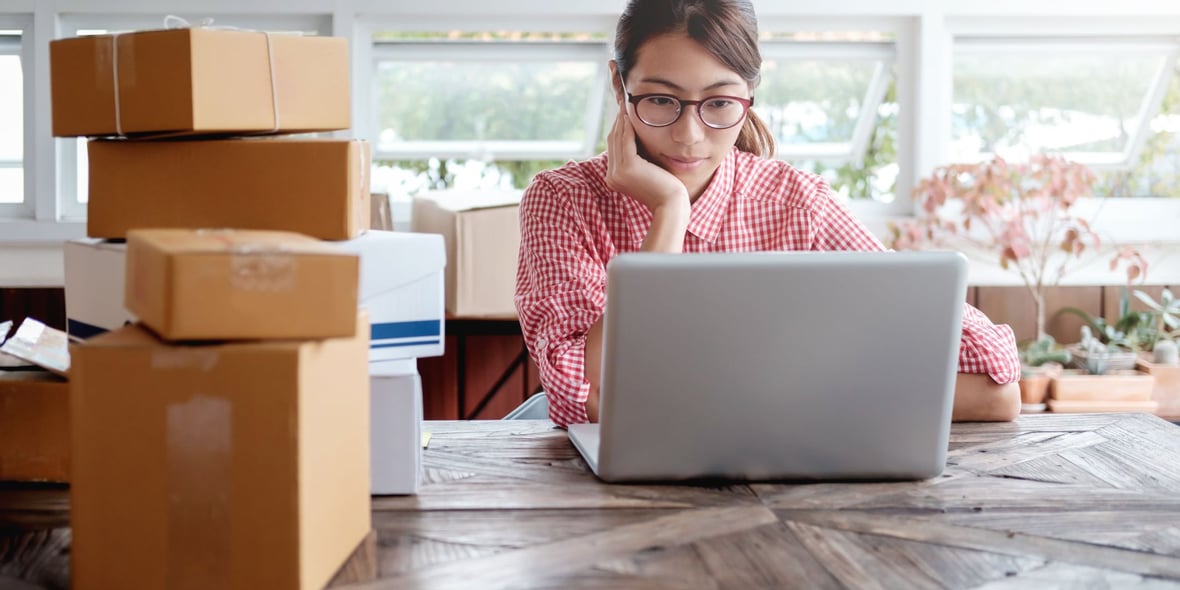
x,y
1090,500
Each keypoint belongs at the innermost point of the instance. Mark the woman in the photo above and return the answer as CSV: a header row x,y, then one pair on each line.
x,y
687,169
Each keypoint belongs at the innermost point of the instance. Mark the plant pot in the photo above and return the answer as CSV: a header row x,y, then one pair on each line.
x,y
1167,386
1034,389
1109,361
1074,385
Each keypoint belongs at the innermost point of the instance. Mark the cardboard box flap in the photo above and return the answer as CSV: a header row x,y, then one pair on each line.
x,y
424,254
472,200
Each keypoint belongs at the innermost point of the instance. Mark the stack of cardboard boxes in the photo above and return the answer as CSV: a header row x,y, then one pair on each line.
x,y
221,438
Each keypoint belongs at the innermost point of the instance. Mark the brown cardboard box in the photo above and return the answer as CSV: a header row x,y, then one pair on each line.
x,y
230,466
198,81
34,427
314,187
380,216
240,285
482,234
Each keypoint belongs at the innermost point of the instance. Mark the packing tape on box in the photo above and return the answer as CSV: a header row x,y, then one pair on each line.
x,y
175,22
200,461
262,271
255,267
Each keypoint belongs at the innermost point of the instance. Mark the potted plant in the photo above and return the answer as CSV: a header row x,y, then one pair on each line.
x,y
1022,215
1040,361
1161,362
1104,359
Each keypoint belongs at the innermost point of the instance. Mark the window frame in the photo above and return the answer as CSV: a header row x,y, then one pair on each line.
x,y
594,52
27,206
1119,221
884,56
1150,103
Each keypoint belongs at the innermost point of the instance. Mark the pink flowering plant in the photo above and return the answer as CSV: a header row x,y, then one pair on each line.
x,y
1021,212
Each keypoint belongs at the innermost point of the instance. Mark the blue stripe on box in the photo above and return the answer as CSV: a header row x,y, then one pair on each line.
x,y
395,330
83,330
406,343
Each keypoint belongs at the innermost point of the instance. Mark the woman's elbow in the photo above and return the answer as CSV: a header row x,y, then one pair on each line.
x,y
1008,403
979,399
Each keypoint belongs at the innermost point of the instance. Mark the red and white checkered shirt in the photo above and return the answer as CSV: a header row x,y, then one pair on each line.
x,y
571,225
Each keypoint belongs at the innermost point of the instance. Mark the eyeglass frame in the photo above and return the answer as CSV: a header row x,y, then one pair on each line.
x,y
635,99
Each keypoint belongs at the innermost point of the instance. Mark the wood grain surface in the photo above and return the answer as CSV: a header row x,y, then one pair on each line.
x,y
1085,500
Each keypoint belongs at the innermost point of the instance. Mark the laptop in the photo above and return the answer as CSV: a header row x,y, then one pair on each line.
x,y
777,366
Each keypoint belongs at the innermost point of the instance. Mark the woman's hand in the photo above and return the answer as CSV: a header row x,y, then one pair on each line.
x,y
629,173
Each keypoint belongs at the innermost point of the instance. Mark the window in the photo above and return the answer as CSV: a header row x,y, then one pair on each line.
x,y
1156,172
74,169
12,127
828,100
1095,101
483,109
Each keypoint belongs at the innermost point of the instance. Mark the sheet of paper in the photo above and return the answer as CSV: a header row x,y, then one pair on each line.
x,y
36,343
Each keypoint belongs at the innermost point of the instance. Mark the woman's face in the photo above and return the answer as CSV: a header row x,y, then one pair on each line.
x,y
675,64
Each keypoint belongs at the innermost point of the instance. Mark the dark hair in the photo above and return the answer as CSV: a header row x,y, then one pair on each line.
x,y
727,29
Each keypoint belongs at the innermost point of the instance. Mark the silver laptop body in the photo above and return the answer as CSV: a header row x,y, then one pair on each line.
x,y
777,366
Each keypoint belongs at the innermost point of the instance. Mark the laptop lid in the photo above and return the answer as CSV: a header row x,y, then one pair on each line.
x,y
785,365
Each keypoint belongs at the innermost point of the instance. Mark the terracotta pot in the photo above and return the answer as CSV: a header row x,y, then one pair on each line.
x,y
1034,389
1167,386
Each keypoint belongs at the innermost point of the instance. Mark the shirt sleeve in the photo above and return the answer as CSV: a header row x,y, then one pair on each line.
x,y
984,347
560,293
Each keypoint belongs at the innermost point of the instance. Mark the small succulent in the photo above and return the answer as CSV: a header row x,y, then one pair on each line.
x,y
1044,351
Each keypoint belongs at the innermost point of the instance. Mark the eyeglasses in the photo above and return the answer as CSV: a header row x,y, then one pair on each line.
x,y
716,112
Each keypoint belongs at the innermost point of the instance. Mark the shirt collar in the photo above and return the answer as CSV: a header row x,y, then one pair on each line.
x,y
708,212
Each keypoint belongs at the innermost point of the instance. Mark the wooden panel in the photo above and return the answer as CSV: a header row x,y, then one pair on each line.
x,y
440,400
45,304
1112,295
487,359
1066,327
1014,306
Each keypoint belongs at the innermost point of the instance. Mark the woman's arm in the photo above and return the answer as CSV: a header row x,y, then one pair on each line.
x,y
666,235
979,399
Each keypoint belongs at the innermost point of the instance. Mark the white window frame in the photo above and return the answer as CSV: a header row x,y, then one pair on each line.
x,y
70,209
25,208
1118,220
508,51
884,56
1149,107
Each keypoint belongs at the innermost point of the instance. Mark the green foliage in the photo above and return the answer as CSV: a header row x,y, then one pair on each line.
x,y
1042,351
1134,330
857,177
1157,173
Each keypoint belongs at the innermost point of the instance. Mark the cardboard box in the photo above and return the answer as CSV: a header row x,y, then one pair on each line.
x,y
309,186
198,81
380,214
240,465
401,286
95,273
240,284
34,427
482,235
396,427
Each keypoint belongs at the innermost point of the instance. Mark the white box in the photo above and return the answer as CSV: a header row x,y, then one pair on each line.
x,y
396,426
402,287
94,287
